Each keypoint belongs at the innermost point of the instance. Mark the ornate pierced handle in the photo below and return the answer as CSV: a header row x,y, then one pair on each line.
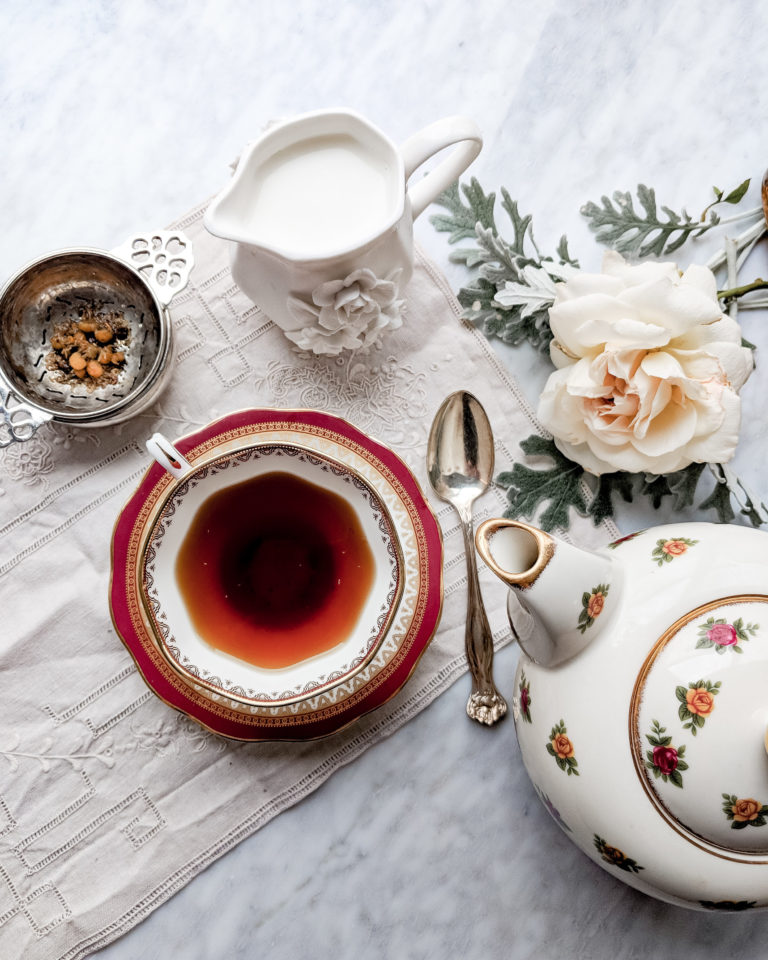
x,y
164,258
18,421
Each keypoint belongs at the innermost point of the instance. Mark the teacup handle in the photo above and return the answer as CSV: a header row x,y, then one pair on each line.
x,y
168,456
429,141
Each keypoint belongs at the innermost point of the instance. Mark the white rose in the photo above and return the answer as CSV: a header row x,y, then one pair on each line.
x,y
648,369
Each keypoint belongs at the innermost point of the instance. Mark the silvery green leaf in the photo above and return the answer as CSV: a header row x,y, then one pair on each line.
x,y
471,256
512,327
515,316
536,291
520,224
502,263
462,218
558,271
610,485
538,278
562,252
618,224
556,487
530,301
683,484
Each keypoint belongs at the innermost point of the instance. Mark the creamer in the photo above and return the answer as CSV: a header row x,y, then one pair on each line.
x,y
320,222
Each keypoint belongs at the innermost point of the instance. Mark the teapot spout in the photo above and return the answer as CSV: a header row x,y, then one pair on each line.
x,y
562,596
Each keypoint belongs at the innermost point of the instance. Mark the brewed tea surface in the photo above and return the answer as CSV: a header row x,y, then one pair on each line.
x,y
275,569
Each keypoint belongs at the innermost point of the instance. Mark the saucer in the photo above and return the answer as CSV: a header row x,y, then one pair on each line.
x,y
394,655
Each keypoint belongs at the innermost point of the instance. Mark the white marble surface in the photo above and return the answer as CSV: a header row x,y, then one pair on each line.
x,y
120,116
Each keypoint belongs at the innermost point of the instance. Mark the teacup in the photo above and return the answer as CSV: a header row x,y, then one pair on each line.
x,y
321,223
271,574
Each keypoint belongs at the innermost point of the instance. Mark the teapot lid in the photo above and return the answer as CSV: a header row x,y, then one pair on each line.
x,y
698,720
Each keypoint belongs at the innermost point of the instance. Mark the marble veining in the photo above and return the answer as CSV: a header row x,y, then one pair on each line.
x,y
119,117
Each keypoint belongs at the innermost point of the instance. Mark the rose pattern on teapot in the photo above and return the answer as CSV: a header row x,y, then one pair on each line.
x,y
723,635
615,857
523,705
664,760
696,703
561,748
592,603
745,812
665,551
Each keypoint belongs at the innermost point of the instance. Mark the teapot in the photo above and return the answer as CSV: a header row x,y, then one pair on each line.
x,y
640,700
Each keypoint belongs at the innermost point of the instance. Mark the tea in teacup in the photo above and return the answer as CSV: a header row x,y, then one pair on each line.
x,y
275,569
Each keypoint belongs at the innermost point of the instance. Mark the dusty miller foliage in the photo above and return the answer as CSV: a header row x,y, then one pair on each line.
x,y
509,297
618,224
512,290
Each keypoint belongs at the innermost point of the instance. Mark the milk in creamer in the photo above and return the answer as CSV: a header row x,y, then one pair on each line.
x,y
319,196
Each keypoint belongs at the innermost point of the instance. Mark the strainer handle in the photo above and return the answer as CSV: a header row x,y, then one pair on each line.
x,y
163,258
18,421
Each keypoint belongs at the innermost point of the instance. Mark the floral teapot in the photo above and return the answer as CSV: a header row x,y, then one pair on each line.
x,y
640,702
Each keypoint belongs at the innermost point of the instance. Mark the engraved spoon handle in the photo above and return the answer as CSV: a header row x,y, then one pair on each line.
x,y
485,704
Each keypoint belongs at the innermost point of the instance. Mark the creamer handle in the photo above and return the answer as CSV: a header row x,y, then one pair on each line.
x,y
431,140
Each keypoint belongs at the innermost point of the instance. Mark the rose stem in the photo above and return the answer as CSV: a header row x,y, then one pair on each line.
x,y
734,292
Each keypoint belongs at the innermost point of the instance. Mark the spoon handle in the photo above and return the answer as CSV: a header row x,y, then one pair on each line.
x,y
485,704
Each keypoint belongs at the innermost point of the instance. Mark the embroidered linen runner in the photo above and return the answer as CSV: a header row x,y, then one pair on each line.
x,y
110,801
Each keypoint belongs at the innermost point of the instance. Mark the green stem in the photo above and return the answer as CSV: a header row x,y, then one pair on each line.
x,y
735,292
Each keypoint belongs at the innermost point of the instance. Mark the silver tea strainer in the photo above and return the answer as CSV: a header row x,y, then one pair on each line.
x,y
134,283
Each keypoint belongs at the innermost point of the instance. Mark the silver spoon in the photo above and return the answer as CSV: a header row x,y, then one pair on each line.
x,y
460,467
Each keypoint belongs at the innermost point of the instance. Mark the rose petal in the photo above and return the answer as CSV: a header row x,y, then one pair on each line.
x,y
662,364
697,365
629,458
325,294
736,362
667,432
347,295
671,305
383,293
655,397
585,378
702,279
720,446
560,413
632,274
586,325
581,284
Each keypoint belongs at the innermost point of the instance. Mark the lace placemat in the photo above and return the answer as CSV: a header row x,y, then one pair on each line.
x,y
110,801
